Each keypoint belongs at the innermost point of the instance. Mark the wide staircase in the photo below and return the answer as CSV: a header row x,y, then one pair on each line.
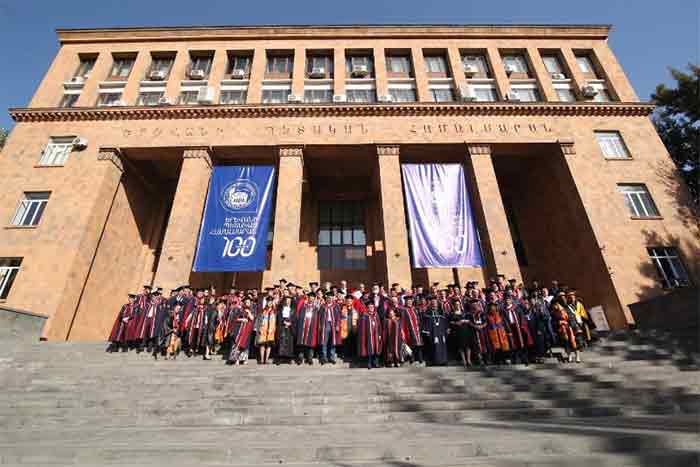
x,y
634,401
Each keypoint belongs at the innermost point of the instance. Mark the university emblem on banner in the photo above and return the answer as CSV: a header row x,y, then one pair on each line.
x,y
239,195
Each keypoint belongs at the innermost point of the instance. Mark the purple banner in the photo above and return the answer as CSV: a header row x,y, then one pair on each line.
x,y
441,224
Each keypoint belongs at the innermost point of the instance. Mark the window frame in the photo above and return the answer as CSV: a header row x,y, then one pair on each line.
x,y
243,94
669,253
233,63
63,142
395,58
32,208
638,200
338,228
69,98
443,70
85,67
350,63
8,274
272,68
160,93
480,61
119,64
607,134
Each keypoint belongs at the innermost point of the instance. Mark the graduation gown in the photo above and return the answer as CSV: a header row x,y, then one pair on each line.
x,y
163,312
328,318
369,335
520,337
393,340
410,321
284,332
497,332
265,326
132,327
118,333
435,326
307,325
241,328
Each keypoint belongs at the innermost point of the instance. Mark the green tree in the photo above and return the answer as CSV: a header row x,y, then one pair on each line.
x,y
3,137
678,122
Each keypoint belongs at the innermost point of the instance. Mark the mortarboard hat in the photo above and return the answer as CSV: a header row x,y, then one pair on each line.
x,y
435,284
311,284
147,287
132,295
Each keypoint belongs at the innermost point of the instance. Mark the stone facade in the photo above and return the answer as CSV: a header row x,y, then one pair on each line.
x,y
126,210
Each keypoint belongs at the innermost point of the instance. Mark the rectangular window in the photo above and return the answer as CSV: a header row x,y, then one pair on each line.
x,y
85,67
566,95
121,68
442,95
162,64
585,64
200,64
9,267
239,63
553,65
525,94
341,237
188,97
275,96
366,96
515,64
402,94
398,65
31,208
476,66
69,100
107,99
638,200
359,66
436,65
280,65
57,150
319,66
602,96
233,97
150,98
612,145
485,94
669,266
317,96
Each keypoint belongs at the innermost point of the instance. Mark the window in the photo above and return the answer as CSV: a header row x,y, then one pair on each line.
x,y
69,100
361,95
529,94
611,145
150,98
356,64
233,97
280,64
109,98
565,95
162,64
477,63
436,64
515,64
275,96
485,94
320,63
188,97
200,63
121,67
552,64
398,64
316,96
9,267
602,95
341,237
668,264
31,208
442,94
57,151
585,64
638,200
85,67
403,94
239,63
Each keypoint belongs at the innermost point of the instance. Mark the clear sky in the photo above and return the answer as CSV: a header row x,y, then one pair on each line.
x,y
648,35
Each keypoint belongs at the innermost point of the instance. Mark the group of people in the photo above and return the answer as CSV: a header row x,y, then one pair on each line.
x,y
503,323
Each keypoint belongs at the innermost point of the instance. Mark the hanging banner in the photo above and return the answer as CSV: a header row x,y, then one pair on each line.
x,y
233,236
441,224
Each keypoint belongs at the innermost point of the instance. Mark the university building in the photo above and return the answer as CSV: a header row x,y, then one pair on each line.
x,y
106,172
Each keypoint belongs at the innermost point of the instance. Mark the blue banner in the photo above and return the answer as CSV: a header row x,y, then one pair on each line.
x,y
440,219
233,236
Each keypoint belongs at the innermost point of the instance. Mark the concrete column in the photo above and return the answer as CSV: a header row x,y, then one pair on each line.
x,y
107,180
421,77
299,72
577,79
618,84
398,266
177,74
380,78
138,72
544,81
177,253
257,75
88,96
286,260
454,58
339,70
216,74
499,72
497,242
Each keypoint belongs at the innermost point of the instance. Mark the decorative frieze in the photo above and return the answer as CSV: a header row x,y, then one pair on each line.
x,y
479,149
388,150
291,151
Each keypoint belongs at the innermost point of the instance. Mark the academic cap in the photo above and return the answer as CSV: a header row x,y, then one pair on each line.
x,y
435,284
408,297
395,284
311,294
283,280
132,295
147,287
311,284
267,289
349,296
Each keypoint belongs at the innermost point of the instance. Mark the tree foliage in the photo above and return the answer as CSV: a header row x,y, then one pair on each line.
x,y
3,137
678,122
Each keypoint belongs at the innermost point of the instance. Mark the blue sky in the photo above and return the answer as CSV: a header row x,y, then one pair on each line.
x,y
648,36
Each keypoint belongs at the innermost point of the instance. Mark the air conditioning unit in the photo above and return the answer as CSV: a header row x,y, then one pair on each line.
x,y
558,76
387,98
470,70
589,91
339,98
118,103
163,101
205,95
196,74
156,75
77,80
80,143
238,74
510,69
359,71
467,93
512,97
318,72
295,98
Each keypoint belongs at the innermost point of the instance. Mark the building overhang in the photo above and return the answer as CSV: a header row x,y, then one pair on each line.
x,y
179,112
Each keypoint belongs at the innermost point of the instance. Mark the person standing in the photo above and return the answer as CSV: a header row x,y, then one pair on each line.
x,y
582,318
461,326
241,321
265,328
117,337
411,324
369,336
328,330
393,338
498,333
285,330
307,329
435,327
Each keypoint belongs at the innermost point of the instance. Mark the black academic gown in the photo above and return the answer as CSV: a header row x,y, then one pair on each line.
x,y
435,326
285,332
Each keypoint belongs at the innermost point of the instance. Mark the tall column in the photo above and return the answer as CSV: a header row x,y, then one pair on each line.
x,y
90,92
380,77
544,80
177,253
257,75
398,267
285,262
339,71
422,91
497,242
177,74
499,72
299,72
138,72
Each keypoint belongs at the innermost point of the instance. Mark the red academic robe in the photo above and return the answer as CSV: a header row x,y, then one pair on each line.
x,y
307,325
410,322
393,340
118,333
369,332
241,329
328,316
